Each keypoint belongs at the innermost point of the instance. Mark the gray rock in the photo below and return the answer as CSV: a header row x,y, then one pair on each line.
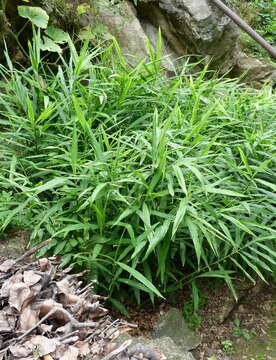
x,y
123,24
254,72
195,27
173,325
131,33
163,345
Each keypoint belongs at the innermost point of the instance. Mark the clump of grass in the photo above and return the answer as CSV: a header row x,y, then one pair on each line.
x,y
150,183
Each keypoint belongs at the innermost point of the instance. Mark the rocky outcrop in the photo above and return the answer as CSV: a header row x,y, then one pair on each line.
x,y
255,72
188,27
194,27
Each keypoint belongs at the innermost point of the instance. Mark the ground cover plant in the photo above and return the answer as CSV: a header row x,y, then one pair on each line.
x,y
149,183
260,15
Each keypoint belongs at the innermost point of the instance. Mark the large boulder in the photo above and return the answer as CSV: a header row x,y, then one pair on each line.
x,y
195,27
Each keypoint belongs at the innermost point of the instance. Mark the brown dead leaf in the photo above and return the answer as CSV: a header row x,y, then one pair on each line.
x,y
71,353
45,328
44,264
20,351
83,346
30,277
45,345
28,318
48,357
9,283
19,294
6,265
7,323
45,306
60,350
69,299
63,286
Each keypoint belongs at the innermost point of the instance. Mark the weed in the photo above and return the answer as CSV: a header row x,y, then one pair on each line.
x,y
227,346
150,183
238,331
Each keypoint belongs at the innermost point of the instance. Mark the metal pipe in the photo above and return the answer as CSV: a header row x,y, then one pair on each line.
x,y
244,26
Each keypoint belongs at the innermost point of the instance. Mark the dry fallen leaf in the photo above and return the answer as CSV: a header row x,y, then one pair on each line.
x,y
8,284
20,351
44,264
45,346
45,313
83,346
71,353
6,265
19,294
28,318
30,278
7,323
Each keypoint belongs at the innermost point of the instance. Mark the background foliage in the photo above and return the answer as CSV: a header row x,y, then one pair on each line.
x,y
150,183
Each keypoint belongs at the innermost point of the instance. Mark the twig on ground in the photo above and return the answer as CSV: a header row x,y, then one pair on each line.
x,y
117,351
33,250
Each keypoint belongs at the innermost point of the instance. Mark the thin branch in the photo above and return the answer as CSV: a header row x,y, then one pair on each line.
x,y
33,250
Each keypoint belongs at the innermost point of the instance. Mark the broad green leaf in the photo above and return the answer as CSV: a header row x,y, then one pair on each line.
x,y
133,283
49,45
268,184
125,214
75,227
57,35
74,150
253,266
35,14
243,270
238,223
138,248
159,233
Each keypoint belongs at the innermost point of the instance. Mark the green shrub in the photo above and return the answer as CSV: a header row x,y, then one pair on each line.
x,y
148,182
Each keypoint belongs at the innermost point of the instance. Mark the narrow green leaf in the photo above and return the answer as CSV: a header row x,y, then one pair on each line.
x,y
179,175
180,215
121,307
138,276
193,229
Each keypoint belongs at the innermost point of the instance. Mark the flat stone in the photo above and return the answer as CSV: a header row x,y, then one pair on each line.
x,y
164,345
172,325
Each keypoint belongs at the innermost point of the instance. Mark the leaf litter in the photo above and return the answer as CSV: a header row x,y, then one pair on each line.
x,y
46,313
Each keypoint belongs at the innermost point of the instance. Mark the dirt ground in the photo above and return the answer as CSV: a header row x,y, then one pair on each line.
x,y
229,330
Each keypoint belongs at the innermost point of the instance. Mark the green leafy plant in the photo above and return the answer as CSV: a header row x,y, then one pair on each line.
x,y
227,346
147,182
191,307
238,331
53,36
